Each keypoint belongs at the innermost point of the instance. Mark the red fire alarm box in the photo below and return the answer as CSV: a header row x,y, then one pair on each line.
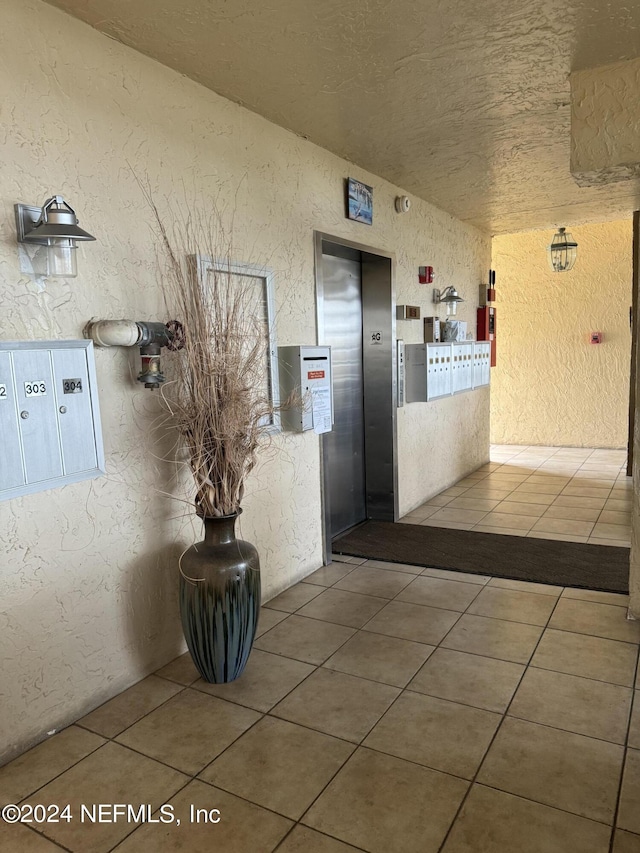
x,y
596,337
425,275
486,330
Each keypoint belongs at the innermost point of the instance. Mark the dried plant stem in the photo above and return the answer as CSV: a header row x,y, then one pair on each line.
x,y
219,397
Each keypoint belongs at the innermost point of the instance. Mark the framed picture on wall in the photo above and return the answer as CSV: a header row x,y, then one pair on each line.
x,y
359,201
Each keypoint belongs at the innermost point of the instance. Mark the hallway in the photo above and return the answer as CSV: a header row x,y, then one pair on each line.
x,y
570,493
386,709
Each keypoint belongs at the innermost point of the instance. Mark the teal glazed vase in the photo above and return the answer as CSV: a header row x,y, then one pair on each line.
x,y
220,600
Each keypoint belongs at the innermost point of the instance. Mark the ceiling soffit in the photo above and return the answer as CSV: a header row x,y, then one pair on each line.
x,y
466,105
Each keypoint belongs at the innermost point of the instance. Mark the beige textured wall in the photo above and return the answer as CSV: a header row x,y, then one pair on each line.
x,y
88,575
605,121
550,385
634,557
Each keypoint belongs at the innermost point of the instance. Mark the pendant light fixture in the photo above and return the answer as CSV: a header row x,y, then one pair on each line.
x,y
54,225
562,251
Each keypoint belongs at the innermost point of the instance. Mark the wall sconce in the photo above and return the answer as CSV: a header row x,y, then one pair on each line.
x,y
562,251
450,297
55,226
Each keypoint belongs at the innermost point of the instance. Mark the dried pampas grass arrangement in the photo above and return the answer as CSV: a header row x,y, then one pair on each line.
x,y
218,398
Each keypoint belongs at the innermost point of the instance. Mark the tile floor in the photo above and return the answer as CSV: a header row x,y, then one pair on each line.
x,y
570,493
385,708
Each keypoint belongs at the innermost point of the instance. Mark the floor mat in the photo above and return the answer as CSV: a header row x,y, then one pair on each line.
x,y
599,567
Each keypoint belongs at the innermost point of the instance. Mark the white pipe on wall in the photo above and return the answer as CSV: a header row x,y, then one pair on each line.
x,y
113,333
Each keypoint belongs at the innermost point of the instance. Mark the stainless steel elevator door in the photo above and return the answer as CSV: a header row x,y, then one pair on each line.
x,y
343,448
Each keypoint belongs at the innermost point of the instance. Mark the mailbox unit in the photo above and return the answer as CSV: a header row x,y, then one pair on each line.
x,y
49,416
306,372
439,370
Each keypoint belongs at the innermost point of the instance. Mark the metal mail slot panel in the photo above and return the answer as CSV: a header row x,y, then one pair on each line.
x,y
49,416
439,370
462,367
481,363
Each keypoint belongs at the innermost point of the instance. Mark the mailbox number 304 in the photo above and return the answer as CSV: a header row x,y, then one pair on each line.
x,y
36,388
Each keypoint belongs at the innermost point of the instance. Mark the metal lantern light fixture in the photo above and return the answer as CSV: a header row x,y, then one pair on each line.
x,y
54,225
562,251
450,297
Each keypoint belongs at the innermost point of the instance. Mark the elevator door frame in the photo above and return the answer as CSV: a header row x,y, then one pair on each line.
x,y
380,441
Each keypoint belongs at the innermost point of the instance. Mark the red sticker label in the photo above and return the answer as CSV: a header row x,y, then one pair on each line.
x,y
315,374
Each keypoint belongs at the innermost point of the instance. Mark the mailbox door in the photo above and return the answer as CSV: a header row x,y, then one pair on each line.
x,y
75,417
11,467
37,414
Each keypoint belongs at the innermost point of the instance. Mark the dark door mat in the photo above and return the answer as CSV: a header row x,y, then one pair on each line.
x,y
550,561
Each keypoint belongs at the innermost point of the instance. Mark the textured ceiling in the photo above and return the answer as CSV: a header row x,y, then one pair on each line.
x,y
463,103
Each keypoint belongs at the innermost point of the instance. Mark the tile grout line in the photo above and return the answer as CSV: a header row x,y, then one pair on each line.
x,y
476,654
623,766
57,776
403,690
359,744
316,667
504,715
140,826
50,840
314,829
191,776
131,749
479,615
263,715
315,800
572,481
224,790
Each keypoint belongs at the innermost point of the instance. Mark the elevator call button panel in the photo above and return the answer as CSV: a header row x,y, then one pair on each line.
x,y
49,416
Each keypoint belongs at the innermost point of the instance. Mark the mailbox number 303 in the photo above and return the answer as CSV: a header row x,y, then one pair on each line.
x,y
36,388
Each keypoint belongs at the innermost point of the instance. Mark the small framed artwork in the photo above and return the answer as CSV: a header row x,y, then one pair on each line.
x,y
359,201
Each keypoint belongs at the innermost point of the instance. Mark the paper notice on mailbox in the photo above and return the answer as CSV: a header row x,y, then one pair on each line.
x,y
321,408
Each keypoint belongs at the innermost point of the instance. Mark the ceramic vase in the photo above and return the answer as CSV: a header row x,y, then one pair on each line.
x,y
220,600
